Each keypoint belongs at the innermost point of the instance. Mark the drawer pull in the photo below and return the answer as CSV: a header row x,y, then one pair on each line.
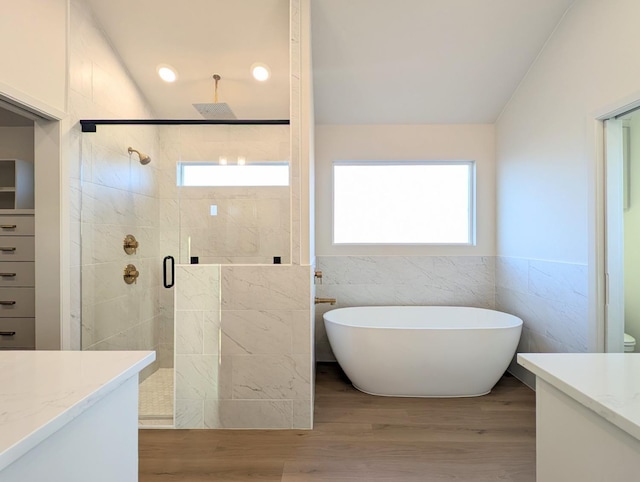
x,y
8,226
6,248
7,333
9,303
8,275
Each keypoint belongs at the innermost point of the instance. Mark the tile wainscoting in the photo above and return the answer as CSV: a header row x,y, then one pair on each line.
x,y
552,300
402,280
243,347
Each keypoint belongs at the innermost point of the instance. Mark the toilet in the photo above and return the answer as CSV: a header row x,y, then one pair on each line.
x,y
629,343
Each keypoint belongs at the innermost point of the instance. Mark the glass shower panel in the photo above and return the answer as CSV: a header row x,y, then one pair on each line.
x,y
237,209
222,214
121,262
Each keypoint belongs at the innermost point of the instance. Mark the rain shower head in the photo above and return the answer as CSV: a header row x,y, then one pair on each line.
x,y
217,110
144,159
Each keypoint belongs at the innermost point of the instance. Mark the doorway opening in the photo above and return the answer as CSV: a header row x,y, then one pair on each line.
x,y
35,135
622,228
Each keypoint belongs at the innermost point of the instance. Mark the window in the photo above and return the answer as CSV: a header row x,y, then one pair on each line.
x,y
212,174
430,202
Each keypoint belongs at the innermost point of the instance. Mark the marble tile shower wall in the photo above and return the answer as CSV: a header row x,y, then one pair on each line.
x,y
401,280
251,227
110,197
243,347
550,297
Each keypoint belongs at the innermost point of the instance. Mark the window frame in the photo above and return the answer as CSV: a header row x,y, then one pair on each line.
x,y
181,165
472,227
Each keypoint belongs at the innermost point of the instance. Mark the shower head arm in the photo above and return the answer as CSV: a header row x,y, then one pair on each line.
x,y
216,78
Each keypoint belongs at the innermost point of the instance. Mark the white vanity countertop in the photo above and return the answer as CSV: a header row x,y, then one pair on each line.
x,y
607,383
41,391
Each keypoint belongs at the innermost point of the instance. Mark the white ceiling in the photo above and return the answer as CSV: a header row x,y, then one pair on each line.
x,y
374,61
424,61
200,38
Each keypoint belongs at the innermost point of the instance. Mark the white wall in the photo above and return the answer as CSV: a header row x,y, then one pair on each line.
x,y
34,74
545,170
590,62
406,142
33,34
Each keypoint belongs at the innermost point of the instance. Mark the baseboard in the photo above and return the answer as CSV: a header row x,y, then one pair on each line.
x,y
522,374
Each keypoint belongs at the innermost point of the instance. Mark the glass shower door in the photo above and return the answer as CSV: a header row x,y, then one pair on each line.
x,y
122,294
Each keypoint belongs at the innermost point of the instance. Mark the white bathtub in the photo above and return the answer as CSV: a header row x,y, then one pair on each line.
x,y
423,351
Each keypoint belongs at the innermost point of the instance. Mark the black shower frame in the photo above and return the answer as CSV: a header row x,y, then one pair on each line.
x,y
91,125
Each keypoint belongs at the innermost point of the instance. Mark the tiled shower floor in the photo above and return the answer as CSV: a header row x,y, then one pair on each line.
x,y
155,404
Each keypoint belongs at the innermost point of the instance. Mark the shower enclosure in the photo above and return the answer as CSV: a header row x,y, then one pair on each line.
x,y
233,336
184,191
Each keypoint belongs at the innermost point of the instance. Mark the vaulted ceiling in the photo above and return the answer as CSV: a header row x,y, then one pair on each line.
x,y
374,61
424,61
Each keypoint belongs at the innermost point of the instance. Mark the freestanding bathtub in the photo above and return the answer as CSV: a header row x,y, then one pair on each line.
x,y
423,351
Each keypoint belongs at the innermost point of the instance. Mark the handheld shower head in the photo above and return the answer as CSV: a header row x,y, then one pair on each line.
x,y
144,159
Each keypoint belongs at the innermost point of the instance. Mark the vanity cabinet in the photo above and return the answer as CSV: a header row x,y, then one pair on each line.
x,y
70,416
587,416
17,280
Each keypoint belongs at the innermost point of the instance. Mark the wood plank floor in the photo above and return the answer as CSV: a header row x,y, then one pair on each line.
x,y
359,437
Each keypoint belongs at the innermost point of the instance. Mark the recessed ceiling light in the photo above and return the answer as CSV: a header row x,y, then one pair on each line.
x,y
260,72
167,73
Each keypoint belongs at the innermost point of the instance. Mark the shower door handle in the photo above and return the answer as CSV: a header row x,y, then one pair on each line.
x,y
168,260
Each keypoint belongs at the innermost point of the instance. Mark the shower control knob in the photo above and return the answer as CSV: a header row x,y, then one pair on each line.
x,y
131,274
130,244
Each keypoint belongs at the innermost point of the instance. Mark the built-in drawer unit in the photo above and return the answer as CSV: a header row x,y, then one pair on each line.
x,y
17,302
17,225
17,279
17,273
17,333
17,248
17,255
